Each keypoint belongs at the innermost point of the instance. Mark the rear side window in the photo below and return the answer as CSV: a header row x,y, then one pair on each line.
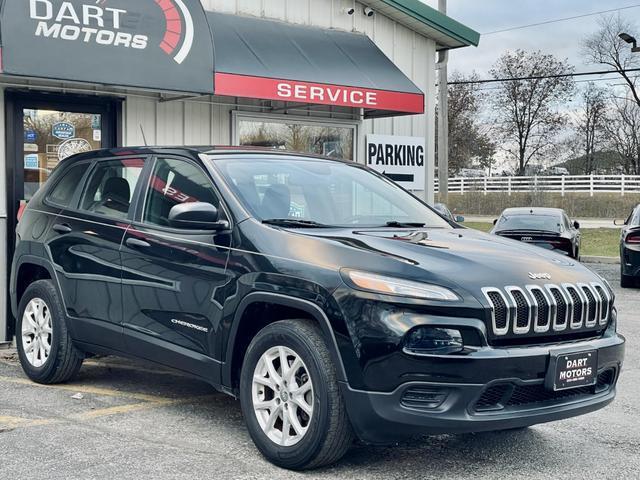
x,y
174,182
63,192
110,187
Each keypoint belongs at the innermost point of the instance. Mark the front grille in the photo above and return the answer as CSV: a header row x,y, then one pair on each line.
x,y
505,395
549,309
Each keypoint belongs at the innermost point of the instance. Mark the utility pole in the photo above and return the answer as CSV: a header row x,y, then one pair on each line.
x,y
443,118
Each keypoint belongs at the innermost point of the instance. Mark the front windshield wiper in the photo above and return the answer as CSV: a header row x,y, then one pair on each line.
x,y
294,223
396,224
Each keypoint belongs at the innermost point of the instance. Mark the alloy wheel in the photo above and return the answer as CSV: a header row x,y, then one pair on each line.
x,y
36,332
282,396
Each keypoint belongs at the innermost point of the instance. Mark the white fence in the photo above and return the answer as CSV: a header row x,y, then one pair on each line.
x,y
591,184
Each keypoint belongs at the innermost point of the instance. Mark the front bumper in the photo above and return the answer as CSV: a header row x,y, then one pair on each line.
x,y
386,417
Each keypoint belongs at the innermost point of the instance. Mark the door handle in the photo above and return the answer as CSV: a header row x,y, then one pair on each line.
x,y
62,228
135,243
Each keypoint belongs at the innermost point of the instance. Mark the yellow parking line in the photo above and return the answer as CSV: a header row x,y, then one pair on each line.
x,y
90,390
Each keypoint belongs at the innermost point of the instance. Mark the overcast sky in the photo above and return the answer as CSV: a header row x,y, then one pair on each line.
x,y
562,39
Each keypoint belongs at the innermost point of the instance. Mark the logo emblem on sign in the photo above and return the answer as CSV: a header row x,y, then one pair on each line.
x,y
73,146
63,130
539,276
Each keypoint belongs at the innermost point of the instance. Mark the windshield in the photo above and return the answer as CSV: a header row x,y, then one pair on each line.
x,y
323,192
530,222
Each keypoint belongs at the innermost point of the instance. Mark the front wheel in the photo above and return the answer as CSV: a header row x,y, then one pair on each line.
x,y
290,397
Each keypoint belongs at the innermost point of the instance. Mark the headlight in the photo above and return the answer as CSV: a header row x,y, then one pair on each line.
x,y
433,341
396,286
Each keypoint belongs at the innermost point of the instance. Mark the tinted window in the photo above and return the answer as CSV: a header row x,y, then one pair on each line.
x,y
323,191
172,183
110,187
530,222
63,192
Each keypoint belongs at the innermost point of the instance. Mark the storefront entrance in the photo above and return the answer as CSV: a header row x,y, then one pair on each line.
x,y
42,130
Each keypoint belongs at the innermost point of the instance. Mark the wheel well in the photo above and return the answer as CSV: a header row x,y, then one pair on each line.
x,y
255,317
29,273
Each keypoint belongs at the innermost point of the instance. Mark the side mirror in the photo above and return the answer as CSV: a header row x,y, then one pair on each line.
x,y
196,216
459,219
576,225
620,223
495,221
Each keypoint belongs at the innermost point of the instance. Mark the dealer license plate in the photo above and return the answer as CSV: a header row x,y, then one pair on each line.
x,y
573,370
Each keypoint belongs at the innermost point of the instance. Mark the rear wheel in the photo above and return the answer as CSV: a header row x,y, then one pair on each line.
x,y
290,397
45,348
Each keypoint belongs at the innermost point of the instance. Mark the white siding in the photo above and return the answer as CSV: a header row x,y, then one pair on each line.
x,y
201,121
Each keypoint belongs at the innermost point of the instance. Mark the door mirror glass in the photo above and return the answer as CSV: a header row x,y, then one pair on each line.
x,y
576,225
619,222
196,216
459,219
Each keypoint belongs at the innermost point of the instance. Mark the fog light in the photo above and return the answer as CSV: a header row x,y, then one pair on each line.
x,y
433,341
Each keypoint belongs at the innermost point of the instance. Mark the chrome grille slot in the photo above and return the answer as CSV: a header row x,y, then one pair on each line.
x,y
542,309
568,309
577,305
605,303
592,306
500,310
522,309
561,315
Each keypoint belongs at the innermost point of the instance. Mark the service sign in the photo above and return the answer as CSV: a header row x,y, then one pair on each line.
x,y
401,159
159,44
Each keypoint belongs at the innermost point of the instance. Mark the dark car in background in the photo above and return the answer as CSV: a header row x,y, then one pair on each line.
x,y
443,210
330,301
548,228
630,250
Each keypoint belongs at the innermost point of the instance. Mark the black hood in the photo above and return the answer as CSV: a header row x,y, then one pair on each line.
x,y
461,256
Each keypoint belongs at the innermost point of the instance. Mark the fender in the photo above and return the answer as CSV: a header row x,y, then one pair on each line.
x,y
41,262
286,301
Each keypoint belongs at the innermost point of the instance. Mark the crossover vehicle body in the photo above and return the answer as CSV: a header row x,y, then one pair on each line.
x,y
630,250
548,228
330,301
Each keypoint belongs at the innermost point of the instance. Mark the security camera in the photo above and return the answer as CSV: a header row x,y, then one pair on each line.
x,y
350,11
369,12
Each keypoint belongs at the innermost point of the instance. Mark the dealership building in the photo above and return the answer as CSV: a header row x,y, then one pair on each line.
x,y
352,80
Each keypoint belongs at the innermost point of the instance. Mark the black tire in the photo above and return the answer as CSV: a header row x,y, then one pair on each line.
x,y
329,433
64,359
627,281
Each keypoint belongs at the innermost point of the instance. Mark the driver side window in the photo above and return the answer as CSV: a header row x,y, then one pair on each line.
x,y
174,182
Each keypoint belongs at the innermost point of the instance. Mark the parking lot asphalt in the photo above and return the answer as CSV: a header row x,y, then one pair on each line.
x,y
130,420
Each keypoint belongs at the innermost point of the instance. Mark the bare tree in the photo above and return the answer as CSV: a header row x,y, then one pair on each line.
x,y
607,48
526,103
589,124
469,138
623,133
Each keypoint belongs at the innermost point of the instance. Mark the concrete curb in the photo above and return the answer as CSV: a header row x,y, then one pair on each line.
x,y
606,260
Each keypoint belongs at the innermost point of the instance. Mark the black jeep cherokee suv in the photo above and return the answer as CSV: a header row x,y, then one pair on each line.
x,y
332,302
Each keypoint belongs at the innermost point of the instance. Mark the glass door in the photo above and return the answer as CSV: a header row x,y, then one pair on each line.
x,y
51,136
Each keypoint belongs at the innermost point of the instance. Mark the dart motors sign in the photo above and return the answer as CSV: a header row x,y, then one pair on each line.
x,y
401,159
159,44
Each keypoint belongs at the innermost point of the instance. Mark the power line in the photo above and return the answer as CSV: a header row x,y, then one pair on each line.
x,y
578,81
547,22
542,77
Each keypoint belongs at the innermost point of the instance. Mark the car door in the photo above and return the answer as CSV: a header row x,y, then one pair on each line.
x,y
174,280
85,250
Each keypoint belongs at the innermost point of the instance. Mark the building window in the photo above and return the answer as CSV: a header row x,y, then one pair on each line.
x,y
336,140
